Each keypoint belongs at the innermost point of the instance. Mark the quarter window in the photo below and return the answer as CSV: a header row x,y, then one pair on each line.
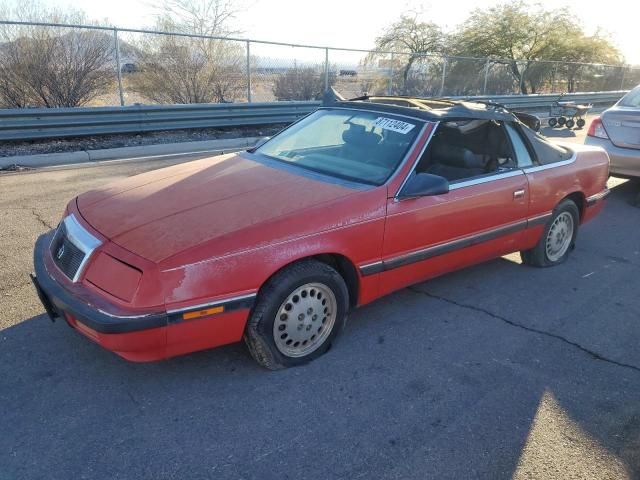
x,y
523,157
545,151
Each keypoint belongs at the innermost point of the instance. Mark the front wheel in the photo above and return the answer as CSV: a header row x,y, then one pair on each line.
x,y
298,314
558,238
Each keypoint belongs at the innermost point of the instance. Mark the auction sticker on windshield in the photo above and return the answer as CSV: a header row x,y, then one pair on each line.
x,y
394,125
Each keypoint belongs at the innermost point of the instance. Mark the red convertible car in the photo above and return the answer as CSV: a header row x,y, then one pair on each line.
x,y
277,244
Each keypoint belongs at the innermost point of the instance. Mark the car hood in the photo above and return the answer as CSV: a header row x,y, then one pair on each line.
x,y
165,212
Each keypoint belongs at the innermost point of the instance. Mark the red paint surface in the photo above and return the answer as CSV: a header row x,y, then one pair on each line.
x,y
105,268
220,227
143,346
206,333
430,221
161,343
182,206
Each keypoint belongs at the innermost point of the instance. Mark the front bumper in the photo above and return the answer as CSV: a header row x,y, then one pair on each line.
x,y
134,336
623,161
91,311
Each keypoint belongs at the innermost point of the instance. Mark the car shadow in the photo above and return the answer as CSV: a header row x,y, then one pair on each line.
x,y
558,132
446,379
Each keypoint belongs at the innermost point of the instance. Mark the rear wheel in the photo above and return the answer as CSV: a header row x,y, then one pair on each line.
x,y
553,122
558,238
570,123
298,314
580,122
562,121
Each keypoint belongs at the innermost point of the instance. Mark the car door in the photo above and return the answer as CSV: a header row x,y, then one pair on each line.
x,y
480,218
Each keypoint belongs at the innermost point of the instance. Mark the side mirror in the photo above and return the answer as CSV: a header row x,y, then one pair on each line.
x,y
424,184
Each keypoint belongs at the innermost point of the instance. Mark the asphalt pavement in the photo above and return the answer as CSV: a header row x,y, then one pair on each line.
x,y
497,371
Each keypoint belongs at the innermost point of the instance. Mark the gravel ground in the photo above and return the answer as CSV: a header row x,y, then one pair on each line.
x,y
33,147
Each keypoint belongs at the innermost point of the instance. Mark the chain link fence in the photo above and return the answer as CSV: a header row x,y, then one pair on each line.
x,y
55,65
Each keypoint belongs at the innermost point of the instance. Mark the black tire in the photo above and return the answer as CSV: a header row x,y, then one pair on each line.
x,y
538,255
553,121
580,122
562,121
259,332
570,123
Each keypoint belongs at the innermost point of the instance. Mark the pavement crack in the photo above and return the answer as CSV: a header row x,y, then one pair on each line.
x,y
133,399
593,354
41,220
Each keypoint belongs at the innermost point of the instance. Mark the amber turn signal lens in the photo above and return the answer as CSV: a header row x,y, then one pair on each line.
x,y
202,313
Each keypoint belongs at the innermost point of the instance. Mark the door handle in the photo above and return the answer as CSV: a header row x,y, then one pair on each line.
x,y
518,194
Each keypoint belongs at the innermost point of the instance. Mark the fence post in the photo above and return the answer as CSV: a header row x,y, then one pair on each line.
x,y
444,75
486,74
248,71
118,67
390,86
624,70
326,69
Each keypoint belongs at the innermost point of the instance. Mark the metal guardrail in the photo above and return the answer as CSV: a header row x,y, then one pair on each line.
x,y
27,124
539,102
33,123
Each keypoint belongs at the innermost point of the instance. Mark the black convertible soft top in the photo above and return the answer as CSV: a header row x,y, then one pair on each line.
x,y
429,109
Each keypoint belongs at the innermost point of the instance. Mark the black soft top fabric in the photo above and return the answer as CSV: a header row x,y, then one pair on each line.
x,y
457,111
545,151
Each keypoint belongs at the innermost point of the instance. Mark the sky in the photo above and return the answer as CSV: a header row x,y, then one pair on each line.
x,y
356,23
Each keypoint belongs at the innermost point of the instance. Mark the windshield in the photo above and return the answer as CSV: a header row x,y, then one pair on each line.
x,y
355,145
631,99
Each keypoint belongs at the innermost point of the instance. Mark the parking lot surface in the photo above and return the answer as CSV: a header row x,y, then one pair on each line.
x,y
497,371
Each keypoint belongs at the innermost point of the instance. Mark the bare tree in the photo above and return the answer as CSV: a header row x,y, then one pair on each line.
x,y
201,17
179,69
302,83
49,66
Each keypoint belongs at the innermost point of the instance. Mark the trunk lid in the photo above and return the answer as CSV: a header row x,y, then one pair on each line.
x,y
623,126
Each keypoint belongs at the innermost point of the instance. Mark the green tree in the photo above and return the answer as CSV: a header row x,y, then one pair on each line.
x,y
521,36
579,50
514,34
413,39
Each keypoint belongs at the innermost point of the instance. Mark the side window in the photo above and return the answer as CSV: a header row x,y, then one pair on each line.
x,y
467,149
546,152
523,157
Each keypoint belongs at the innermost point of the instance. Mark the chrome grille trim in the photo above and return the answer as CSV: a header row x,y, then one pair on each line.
x,y
71,231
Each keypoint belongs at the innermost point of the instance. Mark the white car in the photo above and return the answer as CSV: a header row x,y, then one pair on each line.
x,y
617,130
